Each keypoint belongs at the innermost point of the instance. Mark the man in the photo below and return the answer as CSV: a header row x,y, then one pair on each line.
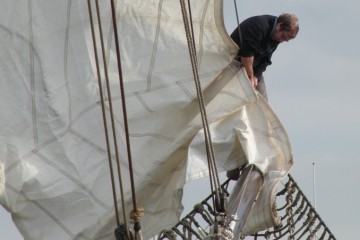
x,y
257,38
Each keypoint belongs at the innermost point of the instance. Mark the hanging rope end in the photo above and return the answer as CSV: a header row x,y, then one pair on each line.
x,y
121,233
136,216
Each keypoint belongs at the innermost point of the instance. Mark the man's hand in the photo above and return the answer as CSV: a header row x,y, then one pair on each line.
x,y
254,81
247,62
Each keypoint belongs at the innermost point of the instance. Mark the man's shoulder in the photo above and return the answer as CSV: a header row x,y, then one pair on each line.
x,y
261,18
260,23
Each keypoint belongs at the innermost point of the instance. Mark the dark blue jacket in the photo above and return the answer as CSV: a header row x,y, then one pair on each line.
x,y
256,40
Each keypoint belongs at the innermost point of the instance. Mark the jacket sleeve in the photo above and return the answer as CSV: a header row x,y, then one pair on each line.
x,y
261,67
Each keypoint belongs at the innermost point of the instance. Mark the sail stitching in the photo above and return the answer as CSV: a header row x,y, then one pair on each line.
x,y
71,178
47,212
66,52
32,75
156,41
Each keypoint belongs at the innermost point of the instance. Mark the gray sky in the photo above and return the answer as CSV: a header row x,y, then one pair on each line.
x,y
313,89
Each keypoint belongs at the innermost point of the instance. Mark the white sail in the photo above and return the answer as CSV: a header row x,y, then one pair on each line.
x,y
54,173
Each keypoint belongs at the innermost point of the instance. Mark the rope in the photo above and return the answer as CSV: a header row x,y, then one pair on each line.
x,y
137,225
193,53
238,22
103,114
117,157
123,101
192,31
214,179
138,213
207,135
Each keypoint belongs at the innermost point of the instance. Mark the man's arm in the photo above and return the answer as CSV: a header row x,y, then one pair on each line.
x,y
247,62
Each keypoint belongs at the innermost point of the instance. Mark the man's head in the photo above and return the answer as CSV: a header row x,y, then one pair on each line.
x,y
286,28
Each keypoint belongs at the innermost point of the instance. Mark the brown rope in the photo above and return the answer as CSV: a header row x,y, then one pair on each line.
x,y
238,22
103,114
117,157
123,101
207,134
111,116
137,226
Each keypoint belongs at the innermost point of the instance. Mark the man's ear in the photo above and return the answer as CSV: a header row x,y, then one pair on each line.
x,y
281,28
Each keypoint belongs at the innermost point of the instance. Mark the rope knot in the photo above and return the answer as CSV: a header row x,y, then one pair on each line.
x,y
137,214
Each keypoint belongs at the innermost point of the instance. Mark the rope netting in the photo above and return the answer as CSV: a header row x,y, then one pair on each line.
x,y
299,219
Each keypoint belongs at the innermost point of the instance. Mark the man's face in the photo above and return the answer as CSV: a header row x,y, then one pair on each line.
x,y
281,35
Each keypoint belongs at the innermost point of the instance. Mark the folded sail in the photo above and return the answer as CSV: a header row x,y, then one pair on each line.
x,y
54,173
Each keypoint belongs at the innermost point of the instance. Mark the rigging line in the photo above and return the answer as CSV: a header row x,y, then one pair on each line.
x,y
112,118
192,51
121,81
104,115
208,145
192,33
215,172
195,58
194,55
238,22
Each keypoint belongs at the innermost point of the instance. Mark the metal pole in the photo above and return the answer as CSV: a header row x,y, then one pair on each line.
x,y
314,185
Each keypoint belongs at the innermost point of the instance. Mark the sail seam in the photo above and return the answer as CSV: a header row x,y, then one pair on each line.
x,y
156,41
32,76
142,102
72,179
66,55
46,212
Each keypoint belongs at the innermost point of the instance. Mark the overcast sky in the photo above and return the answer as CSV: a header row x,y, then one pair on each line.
x,y
314,89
